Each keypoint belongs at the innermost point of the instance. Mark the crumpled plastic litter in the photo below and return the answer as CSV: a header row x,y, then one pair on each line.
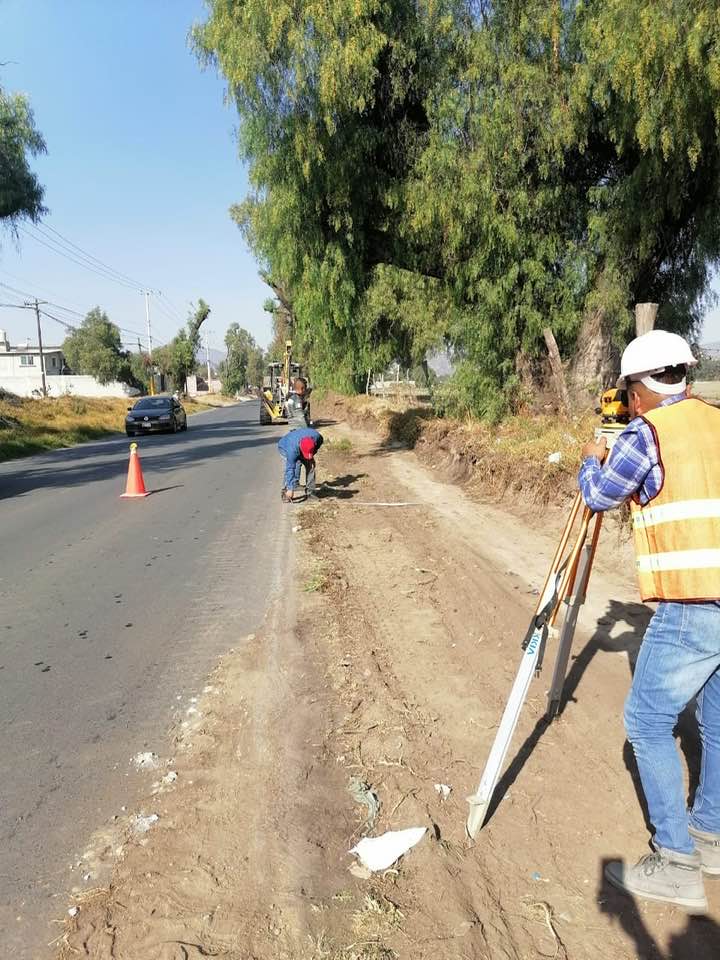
x,y
362,792
142,823
443,789
146,761
379,853
555,457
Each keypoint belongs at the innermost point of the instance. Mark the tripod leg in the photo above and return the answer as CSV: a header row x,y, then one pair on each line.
x,y
480,801
570,572
567,633
574,510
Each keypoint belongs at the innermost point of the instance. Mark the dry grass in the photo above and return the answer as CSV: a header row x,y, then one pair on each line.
x,y
341,445
707,389
31,426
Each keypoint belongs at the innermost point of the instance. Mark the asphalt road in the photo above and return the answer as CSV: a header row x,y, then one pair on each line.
x,y
111,609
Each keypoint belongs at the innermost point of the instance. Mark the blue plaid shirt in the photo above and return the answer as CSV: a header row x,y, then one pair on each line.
x,y
633,466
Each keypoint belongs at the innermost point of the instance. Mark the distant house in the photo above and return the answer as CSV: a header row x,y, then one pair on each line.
x,y
24,359
21,374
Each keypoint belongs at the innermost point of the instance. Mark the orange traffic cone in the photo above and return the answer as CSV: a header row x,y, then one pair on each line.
x,y
135,486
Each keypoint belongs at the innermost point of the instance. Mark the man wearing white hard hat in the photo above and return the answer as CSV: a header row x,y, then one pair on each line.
x,y
667,464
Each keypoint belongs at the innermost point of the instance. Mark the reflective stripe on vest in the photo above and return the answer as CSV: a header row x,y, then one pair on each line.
x,y
677,534
679,560
681,510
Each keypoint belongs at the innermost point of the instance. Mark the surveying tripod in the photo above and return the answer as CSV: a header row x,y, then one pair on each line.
x,y
566,583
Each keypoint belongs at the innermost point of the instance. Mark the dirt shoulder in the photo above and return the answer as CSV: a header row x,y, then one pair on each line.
x,y
391,674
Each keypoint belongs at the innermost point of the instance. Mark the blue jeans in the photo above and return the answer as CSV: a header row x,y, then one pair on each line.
x,y
310,481
679,659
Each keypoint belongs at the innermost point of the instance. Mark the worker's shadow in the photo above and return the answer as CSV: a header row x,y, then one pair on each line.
x,y
604,639
699,939
607,638
338,488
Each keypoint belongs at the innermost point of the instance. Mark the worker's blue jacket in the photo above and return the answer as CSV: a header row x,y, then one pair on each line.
x,y
289,447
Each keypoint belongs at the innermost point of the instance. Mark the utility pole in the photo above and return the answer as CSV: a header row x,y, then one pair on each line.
x,y
149,341
36,304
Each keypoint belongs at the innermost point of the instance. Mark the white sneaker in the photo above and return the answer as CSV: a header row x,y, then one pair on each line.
x,y
708,846
663,875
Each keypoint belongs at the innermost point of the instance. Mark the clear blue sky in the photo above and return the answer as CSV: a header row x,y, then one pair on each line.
x,y
141,166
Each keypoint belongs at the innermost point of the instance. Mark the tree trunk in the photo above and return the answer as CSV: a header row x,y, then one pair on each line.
x,y
596,361
645,314
557,370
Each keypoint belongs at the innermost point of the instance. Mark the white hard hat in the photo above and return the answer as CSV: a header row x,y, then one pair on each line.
x,y
652,353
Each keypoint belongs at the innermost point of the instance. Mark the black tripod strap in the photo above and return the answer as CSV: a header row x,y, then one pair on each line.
x,y
539,621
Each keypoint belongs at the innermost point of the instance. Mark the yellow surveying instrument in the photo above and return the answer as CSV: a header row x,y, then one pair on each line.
x,y
565,586
614,414
276,388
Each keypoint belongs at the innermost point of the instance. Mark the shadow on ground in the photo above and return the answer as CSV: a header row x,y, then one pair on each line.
x,y
698,940
339,487
160,454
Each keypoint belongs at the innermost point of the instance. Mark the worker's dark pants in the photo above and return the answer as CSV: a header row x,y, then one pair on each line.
x,y
309,475
310,483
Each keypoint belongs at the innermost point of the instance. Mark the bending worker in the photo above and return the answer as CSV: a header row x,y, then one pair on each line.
x,y
299,448
667,464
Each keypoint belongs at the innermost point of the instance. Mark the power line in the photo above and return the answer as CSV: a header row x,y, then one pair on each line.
x,y
65,247
166,312
25,293
69,249
89,255
63,323
178,313
57,248
44,290
22,293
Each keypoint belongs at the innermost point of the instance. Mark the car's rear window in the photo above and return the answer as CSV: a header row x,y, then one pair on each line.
x,y
153,403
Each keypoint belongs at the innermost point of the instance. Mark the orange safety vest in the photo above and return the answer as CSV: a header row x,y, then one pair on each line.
x,y
677,534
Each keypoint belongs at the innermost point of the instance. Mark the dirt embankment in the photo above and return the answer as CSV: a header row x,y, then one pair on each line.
x,y
387,685
528,461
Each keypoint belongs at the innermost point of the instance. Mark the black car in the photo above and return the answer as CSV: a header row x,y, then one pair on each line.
x,y
154,414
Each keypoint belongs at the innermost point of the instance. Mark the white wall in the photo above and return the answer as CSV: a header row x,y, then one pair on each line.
x,y
57,386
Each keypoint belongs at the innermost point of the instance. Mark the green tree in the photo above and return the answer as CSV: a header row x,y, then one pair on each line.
x,y
21,194
178,358
467,173
95,349
140,368
243,361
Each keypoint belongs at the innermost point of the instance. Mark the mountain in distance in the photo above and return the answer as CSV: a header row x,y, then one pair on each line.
x,y
216,356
